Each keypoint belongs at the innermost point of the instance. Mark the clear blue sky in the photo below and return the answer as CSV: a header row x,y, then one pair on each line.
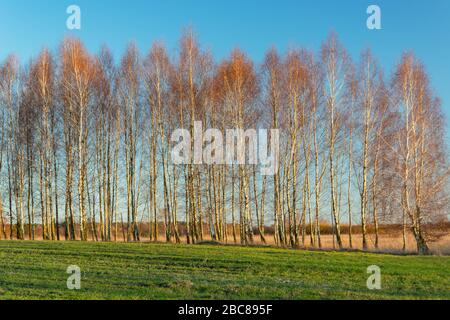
x,y
253,25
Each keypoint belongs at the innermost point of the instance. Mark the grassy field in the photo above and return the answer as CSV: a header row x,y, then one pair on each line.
x,y
37,270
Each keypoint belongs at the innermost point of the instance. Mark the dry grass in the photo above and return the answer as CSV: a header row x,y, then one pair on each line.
x,y
388,243
390,240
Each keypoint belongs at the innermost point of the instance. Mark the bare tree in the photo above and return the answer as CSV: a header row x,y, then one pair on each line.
x,y
336,64
78,70
422,166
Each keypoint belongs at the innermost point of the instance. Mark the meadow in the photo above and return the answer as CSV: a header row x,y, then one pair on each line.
x,y
37,270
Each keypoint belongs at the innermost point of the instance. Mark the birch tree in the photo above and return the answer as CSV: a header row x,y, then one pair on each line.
x,y
336,64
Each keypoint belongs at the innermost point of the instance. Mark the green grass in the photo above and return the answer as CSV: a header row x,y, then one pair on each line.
x,y
37,270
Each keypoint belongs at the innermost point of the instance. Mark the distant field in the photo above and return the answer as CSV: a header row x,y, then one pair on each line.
x,y
37,270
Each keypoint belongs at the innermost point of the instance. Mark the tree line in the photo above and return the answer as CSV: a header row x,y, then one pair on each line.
x,y
85,150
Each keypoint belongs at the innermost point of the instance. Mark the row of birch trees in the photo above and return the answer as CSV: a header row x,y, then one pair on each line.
x,y
85,150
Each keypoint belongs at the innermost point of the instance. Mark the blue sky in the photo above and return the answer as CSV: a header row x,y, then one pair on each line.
x,y
253,25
